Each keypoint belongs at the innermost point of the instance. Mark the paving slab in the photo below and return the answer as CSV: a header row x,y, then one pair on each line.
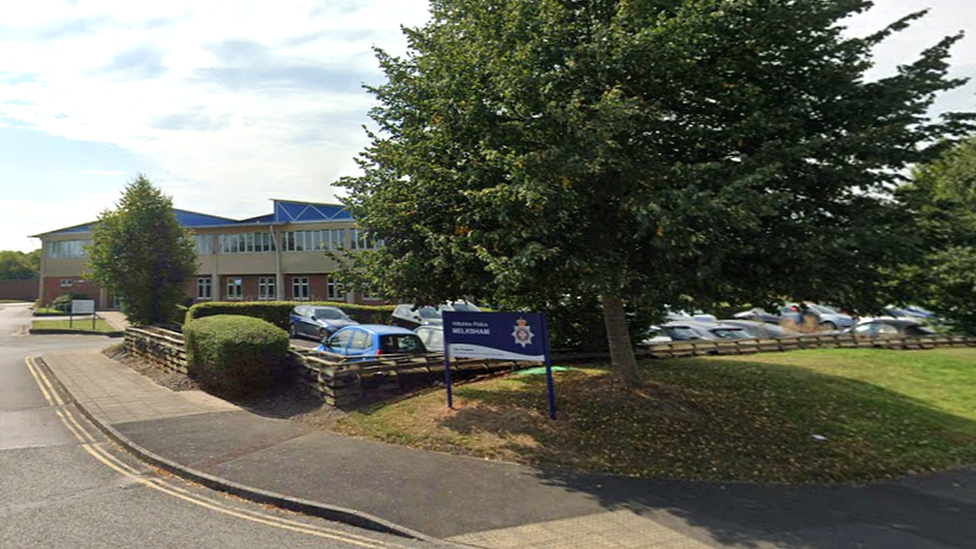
x,y
499,505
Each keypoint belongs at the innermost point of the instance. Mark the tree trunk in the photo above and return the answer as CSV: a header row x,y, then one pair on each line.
x,y
623,365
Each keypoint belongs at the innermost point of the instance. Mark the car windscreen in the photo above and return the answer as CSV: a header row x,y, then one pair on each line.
x,y
822,309
465,308
428,313
730,333
401,343
681,333
328,313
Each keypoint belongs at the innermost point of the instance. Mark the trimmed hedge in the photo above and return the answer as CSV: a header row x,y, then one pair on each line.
x,y
276,312
235,355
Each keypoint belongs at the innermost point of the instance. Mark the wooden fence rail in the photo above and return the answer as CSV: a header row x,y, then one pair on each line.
x,y
346,381
164,348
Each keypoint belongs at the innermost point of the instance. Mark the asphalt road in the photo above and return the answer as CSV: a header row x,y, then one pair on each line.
x,y
63,485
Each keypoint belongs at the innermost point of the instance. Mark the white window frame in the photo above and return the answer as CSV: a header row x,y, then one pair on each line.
x,y
67,283
240,243
266,288
299,283
203,244
204,288
334,290
237,284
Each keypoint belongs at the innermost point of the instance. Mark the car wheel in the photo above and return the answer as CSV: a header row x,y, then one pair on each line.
x,y
828,325
323,333
292,330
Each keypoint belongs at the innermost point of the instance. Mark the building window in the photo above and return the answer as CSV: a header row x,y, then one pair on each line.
x,y
314,241
240,243
66,283
299,288
67,249
203,244
266,288
235,288
333,290
204,288
359,239
335,239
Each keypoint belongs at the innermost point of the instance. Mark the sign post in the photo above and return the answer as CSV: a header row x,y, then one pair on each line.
x,y
82,307
500,336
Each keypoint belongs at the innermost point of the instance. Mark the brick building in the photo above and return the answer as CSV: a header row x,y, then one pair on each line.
x,y
279,256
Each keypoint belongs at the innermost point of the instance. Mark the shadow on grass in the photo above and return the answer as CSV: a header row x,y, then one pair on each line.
x,y
743,421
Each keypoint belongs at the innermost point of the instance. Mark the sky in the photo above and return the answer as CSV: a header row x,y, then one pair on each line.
x,y
226,104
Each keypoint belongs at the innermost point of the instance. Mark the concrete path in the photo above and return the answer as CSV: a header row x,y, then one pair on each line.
x,y
497,505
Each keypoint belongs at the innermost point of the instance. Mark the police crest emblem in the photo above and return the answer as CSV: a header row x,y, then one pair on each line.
x,y
523,333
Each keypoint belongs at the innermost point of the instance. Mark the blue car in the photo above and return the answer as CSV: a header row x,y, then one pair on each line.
x,y
367,340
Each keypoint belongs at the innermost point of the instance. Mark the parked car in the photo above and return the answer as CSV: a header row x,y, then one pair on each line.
x,y
825,317
462,306
690,330
696,315
880,327
759,329
317,322
758,314
432,336
655,335
408,316
367,340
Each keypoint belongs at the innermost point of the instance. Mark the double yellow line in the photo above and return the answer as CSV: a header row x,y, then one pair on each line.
x,y
91,446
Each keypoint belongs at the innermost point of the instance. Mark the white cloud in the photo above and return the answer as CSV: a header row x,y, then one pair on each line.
x,y
238,101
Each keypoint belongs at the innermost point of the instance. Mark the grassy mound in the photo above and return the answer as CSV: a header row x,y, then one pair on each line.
x,y
808,416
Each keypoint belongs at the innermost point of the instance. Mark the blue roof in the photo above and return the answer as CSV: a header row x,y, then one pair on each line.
x,y
194,219
268,218
288,212
86,228
285,211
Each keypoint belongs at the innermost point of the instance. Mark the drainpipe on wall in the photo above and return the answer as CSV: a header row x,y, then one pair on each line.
x,y
279,278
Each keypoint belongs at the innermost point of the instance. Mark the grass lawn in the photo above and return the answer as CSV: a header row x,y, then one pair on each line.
x,y
5,301
49,311
80,325
884,413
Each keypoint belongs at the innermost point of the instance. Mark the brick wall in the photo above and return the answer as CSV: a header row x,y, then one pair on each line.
x,y
58,285
25,290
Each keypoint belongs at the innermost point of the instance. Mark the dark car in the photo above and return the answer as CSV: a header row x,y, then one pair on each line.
x,y
687,331
759,329
758,314
433,337
317,322
368,340
881,327
408,316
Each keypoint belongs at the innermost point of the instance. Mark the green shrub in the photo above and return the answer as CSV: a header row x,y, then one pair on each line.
x,y
235,355
276,312
63,301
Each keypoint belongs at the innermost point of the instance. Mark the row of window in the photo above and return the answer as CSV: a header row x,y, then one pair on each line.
x,y
314,241
292,241
235,243
67,249
234,289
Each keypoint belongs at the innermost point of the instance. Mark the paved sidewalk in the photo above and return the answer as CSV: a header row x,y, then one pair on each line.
x,y
497,505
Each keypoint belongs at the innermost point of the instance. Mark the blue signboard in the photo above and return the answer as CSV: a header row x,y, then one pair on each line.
x,y
502,336
498,336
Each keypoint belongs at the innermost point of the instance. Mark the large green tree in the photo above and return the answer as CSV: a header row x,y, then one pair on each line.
x,y
140,253
942,200
16,265
641,153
